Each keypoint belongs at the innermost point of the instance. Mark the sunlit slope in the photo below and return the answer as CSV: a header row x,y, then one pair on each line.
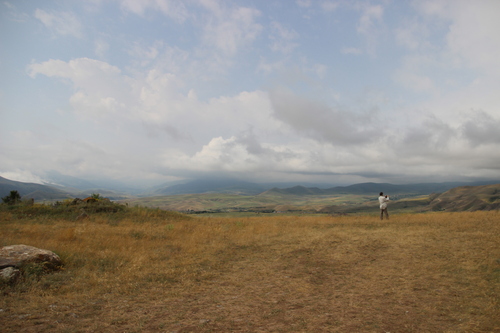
x,y
467,198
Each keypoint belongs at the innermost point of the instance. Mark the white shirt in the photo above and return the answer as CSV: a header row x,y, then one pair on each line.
x,y
383,201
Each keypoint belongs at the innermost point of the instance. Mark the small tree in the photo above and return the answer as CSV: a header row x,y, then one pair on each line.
x,y
13,198
96,196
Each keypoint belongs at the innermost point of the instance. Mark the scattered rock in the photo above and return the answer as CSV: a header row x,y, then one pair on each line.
x,y
77,201
82,216
9,274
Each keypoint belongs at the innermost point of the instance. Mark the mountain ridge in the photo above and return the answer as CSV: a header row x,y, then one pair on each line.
x,y
370,187
227,186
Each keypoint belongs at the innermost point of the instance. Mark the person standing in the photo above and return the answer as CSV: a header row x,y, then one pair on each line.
x,y
383,205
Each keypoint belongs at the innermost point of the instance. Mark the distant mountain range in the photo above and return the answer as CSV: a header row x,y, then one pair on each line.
x,y
375,188
233,186
63,187
211,186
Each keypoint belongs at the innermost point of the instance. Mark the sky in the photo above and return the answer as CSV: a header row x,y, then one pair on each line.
x,y
324,91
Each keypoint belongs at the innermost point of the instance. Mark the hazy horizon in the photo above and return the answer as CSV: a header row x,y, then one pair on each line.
x,y
305,91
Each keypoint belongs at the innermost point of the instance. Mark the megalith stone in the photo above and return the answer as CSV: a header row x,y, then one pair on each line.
x,y
19,255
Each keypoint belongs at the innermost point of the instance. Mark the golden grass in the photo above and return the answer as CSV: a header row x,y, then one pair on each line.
x,y
146,272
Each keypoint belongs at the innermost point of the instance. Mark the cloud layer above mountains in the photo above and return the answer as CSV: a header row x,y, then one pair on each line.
x,y
321,91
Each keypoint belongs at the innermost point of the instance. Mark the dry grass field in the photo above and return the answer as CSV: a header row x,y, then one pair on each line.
x,y
152,271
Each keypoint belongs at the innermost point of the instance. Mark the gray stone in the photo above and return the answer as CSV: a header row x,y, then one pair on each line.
x,y
9,274
19,255
83,215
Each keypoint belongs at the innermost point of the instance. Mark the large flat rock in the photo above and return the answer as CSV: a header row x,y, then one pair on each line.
x,y
19,255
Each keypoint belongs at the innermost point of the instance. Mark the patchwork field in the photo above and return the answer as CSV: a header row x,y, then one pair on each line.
x,y
147,270
219,203
298,200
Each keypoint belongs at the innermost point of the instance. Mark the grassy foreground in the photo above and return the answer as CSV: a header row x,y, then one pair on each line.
x,y
143,270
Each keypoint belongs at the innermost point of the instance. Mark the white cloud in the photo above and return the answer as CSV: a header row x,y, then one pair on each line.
x,y
413,74
322,122
270,67
101,48
146,54
230,29
414,81
185,92
474,35
24,176
165,58
369,24
482,129
458,66
413,34
157,100
320,70
101,90
218,155
472,30
62,23
432,137
246,157
282,38
439,151
80,71
175,10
